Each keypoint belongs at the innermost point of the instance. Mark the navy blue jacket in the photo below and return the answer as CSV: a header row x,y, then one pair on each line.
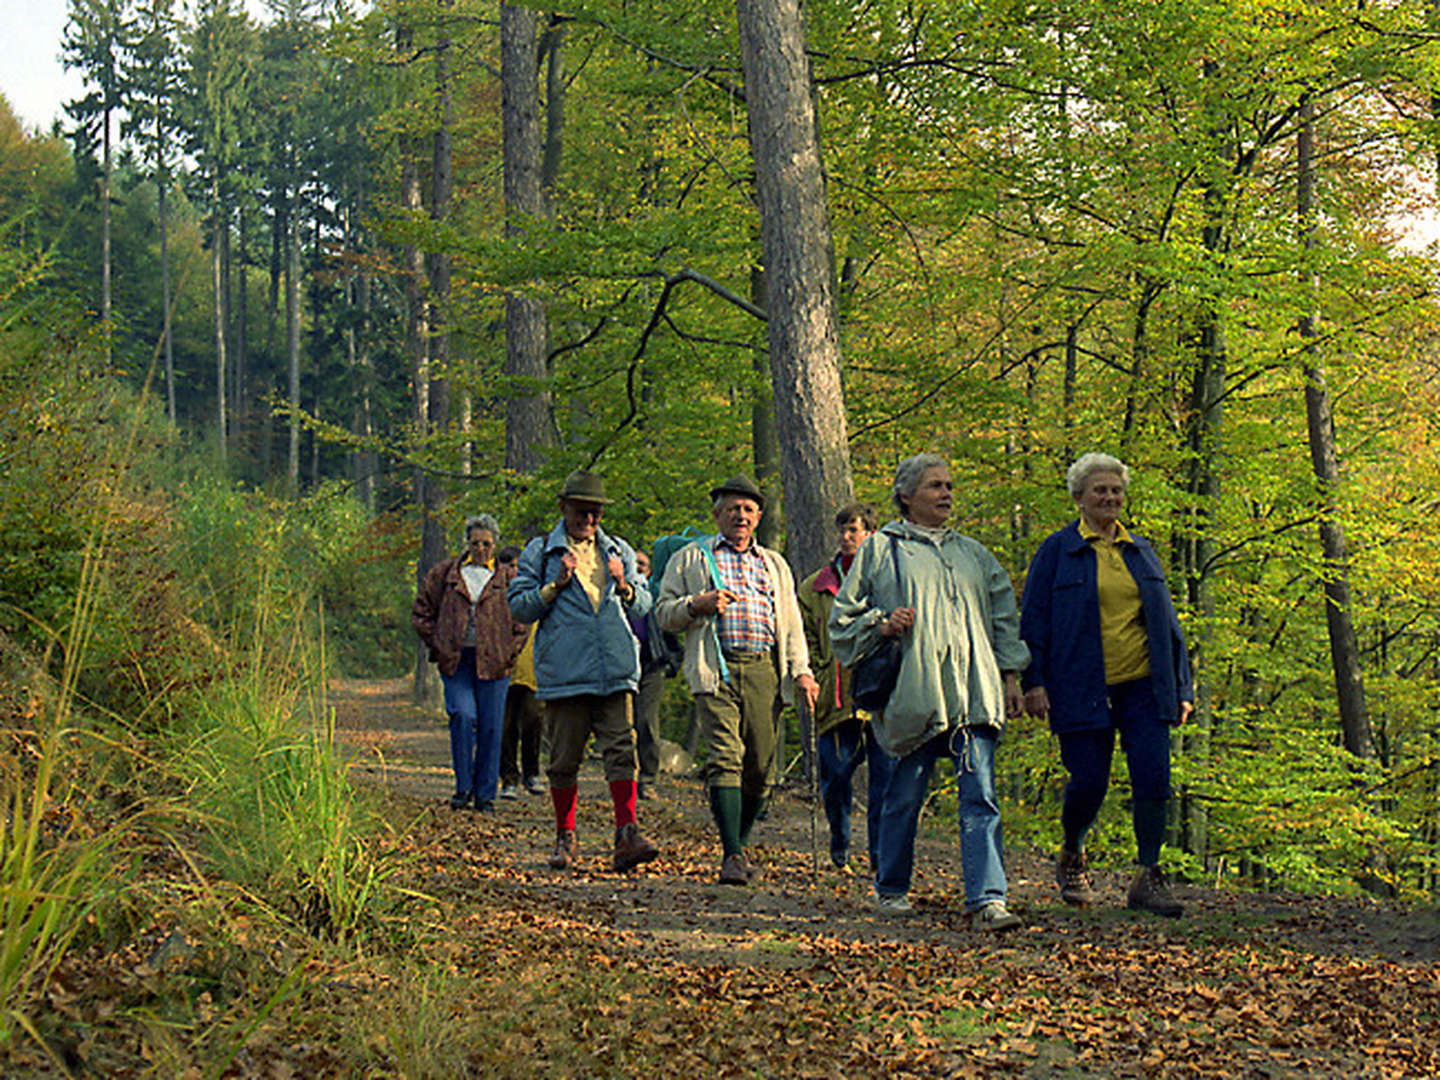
x,y
1060,621
579,650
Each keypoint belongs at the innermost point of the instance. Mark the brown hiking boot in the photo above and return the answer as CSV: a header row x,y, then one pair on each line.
x,y
1151,892
631,848
1072,874
564,853
734,870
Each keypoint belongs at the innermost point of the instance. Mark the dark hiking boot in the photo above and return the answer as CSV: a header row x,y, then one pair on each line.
x,y
631,848
1151,892
734,870
564,854
1072,874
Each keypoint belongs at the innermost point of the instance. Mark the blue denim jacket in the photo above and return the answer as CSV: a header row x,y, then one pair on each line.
x,y
578,650
1060,621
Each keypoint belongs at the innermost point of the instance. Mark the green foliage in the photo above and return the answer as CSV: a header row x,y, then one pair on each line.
x,y
281,819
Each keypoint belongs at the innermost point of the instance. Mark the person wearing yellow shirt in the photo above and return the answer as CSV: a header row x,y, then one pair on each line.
x,y
1107,658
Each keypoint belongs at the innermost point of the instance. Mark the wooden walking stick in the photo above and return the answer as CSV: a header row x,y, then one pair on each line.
x,y
807,721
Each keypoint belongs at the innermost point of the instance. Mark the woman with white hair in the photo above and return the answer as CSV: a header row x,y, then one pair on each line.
x,y
1107,657
462,615
951,604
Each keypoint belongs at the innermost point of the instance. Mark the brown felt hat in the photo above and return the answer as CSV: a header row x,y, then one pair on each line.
x,y
739,485
584,486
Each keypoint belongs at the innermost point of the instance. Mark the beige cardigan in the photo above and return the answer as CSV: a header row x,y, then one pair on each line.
x,y
688,573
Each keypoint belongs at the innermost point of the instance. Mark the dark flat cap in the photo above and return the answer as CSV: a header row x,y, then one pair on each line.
x,y
584,486
739,485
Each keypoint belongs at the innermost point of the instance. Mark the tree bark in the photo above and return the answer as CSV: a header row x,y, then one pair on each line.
x,y
425,685
1320,424
292,339
161,183
527,414
799,275
215,275
105,299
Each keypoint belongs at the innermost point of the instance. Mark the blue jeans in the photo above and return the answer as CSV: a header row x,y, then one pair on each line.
x,y
982,855
477,718
842,749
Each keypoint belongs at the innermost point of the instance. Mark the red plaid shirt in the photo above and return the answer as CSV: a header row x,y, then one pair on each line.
x,y
748,625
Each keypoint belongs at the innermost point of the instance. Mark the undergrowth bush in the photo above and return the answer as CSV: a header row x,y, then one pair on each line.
x,y
247,560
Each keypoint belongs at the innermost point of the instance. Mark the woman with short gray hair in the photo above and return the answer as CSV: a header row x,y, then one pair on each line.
x,y
1107,656
463,617
951,604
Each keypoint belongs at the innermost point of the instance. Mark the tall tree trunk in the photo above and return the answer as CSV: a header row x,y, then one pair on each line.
x,y
442,188
225,238
799,275
220,225
105,304
165,292
425,685
242,339
1344,649
432,547
292,339
1204,438
527,415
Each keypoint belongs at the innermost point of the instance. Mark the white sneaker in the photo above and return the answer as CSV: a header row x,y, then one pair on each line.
x,y
509,791
893,904
995,917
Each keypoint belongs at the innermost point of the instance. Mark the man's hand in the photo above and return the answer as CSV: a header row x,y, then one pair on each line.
x,y
898,621
568,563
1037,701
1014,700
713,602
811,689
617,570
1186,708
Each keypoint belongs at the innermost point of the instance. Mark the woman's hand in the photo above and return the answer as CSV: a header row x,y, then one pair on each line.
x,y
1186,708
898,621
1037,701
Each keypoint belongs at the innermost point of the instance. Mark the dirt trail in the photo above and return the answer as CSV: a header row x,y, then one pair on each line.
x,y
664,971
405,750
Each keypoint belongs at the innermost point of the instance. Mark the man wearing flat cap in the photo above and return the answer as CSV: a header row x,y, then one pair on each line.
x,y
577,585
735,603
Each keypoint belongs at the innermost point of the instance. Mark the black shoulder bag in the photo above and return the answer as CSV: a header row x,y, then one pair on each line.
x,y
873,679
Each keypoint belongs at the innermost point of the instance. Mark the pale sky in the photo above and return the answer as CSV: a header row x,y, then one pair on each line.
x,y
31,77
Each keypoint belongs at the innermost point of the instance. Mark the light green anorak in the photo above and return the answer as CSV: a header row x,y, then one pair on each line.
x,y
966,632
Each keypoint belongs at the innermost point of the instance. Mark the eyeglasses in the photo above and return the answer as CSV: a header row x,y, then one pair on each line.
x,y
588,511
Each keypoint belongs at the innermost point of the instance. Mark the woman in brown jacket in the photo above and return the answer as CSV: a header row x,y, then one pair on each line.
x,y
463,617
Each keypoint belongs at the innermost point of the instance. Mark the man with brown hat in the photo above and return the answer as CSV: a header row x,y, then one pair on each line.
x,y
735,603
577,585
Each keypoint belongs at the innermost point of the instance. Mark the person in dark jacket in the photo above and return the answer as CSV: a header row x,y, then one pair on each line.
x,y
654,668
1107,656
524,718
463,617
579,585
844,736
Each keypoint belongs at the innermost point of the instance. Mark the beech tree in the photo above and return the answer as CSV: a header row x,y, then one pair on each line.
x,y
799,275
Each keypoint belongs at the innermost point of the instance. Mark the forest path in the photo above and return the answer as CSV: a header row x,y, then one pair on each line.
x,y
1251,984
